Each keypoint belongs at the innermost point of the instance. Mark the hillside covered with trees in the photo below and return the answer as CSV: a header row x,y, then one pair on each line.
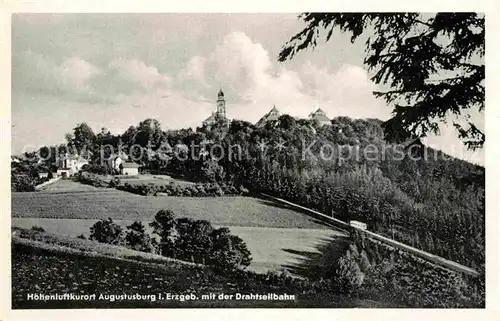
x,y
409,192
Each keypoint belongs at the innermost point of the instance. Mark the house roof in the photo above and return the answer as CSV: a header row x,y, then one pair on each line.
x,y
273,114
321,118
210,119
130,165
319,115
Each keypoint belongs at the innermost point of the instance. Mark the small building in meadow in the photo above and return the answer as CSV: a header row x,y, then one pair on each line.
x,y
129,168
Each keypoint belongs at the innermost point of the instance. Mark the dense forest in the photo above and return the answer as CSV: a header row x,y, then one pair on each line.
x,y
408,191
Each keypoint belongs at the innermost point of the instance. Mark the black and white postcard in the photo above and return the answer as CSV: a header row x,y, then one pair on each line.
x,y
204,160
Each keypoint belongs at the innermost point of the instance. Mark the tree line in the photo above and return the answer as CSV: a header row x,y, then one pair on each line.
x,y
414,194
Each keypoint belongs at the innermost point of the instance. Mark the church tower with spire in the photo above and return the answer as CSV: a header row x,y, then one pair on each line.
x,y
219,116
221,105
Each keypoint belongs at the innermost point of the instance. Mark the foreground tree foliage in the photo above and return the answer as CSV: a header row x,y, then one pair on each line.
x,y
197,241
107,231
433,64
189,240
24,177
138,239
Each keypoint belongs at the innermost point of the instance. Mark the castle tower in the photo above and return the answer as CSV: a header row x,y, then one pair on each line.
x,y
221,105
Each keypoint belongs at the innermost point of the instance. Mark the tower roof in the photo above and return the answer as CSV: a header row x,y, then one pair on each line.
x,y
221,93
319,115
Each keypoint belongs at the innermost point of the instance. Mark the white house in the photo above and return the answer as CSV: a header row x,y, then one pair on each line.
x,y
129,168
116,160
70,165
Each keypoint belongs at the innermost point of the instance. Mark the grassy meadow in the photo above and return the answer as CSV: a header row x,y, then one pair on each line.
x,y
78,201
275,235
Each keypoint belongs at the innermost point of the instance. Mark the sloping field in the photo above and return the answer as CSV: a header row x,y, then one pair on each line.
x,y
277,237
271,248
64,185
45,270
103,203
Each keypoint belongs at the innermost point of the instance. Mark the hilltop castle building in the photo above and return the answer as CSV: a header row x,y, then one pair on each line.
x,y
219,116
320,116
272,115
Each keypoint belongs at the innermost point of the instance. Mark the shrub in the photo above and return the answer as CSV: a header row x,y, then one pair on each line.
x,y
164,226
91,179
38,228
193,240
137,238
174,189
229,251
21,182
107,231
197,241
81,236
98,169
115,182
348,276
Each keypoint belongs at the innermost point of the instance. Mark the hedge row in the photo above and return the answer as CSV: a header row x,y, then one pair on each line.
x,y
92,179
174,189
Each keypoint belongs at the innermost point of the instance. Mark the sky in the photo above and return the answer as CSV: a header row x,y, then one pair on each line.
x,y
115,70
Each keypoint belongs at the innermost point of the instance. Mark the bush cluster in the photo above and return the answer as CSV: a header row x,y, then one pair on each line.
x,y
198,242
174,189
107,231
91,179
26,178
37,228
189,240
